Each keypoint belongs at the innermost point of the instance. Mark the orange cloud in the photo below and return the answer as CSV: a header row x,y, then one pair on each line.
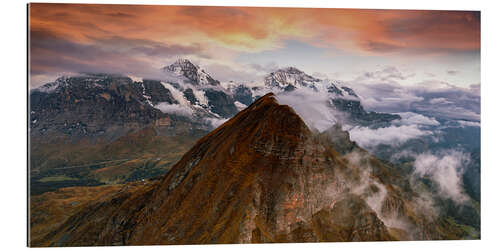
x,y
256,29
142,38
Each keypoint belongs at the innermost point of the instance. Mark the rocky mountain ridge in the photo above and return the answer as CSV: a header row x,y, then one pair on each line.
x,y
187,93
262,176
82,113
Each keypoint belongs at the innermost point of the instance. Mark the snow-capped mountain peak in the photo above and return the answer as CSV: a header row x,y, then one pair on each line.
x,y
290,76
83,80
193,73
52,86
181,66
187,90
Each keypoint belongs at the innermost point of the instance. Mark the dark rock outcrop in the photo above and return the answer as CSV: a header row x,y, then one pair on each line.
x,y
243,94
356,114
221,103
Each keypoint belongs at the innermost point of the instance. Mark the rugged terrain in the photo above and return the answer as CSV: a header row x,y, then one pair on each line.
x,y
95,129
121,160
262,176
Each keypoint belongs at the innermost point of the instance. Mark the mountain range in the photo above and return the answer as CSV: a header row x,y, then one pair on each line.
x,y
93,114
262,176
187,159
91,103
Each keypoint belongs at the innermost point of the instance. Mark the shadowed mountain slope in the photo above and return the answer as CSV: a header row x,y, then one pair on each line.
x,y
262,176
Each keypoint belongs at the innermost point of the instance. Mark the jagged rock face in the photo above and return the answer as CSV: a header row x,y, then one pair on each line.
x,y
101,106
340,139
243,95
189,94
349,91
193,73
343,91
284,78
260,177
155,92
221,103
357,115
350,219
91,104
333,89
244,169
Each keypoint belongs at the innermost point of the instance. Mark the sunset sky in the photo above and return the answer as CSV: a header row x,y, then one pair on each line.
x,y
243,44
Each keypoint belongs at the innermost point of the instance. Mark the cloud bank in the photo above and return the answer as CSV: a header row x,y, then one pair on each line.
x,y
380,91
393,135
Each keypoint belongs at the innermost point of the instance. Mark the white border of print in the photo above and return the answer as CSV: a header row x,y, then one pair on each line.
x,y
14,96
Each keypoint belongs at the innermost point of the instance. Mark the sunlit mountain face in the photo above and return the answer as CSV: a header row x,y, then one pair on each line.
x,y
289,125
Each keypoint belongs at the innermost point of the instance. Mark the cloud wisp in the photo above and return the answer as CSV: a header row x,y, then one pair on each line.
x,y
445,169
311,106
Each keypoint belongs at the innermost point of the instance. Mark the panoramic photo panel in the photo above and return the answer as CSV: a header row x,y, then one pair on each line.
x,y
176,125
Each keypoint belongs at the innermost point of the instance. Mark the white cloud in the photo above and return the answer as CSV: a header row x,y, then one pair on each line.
x,y
135,78
450,111
385,97
409,118
311,106
215,122
177,109
240,105
445,169
392,135
177,94
469,123
439,100
199,95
